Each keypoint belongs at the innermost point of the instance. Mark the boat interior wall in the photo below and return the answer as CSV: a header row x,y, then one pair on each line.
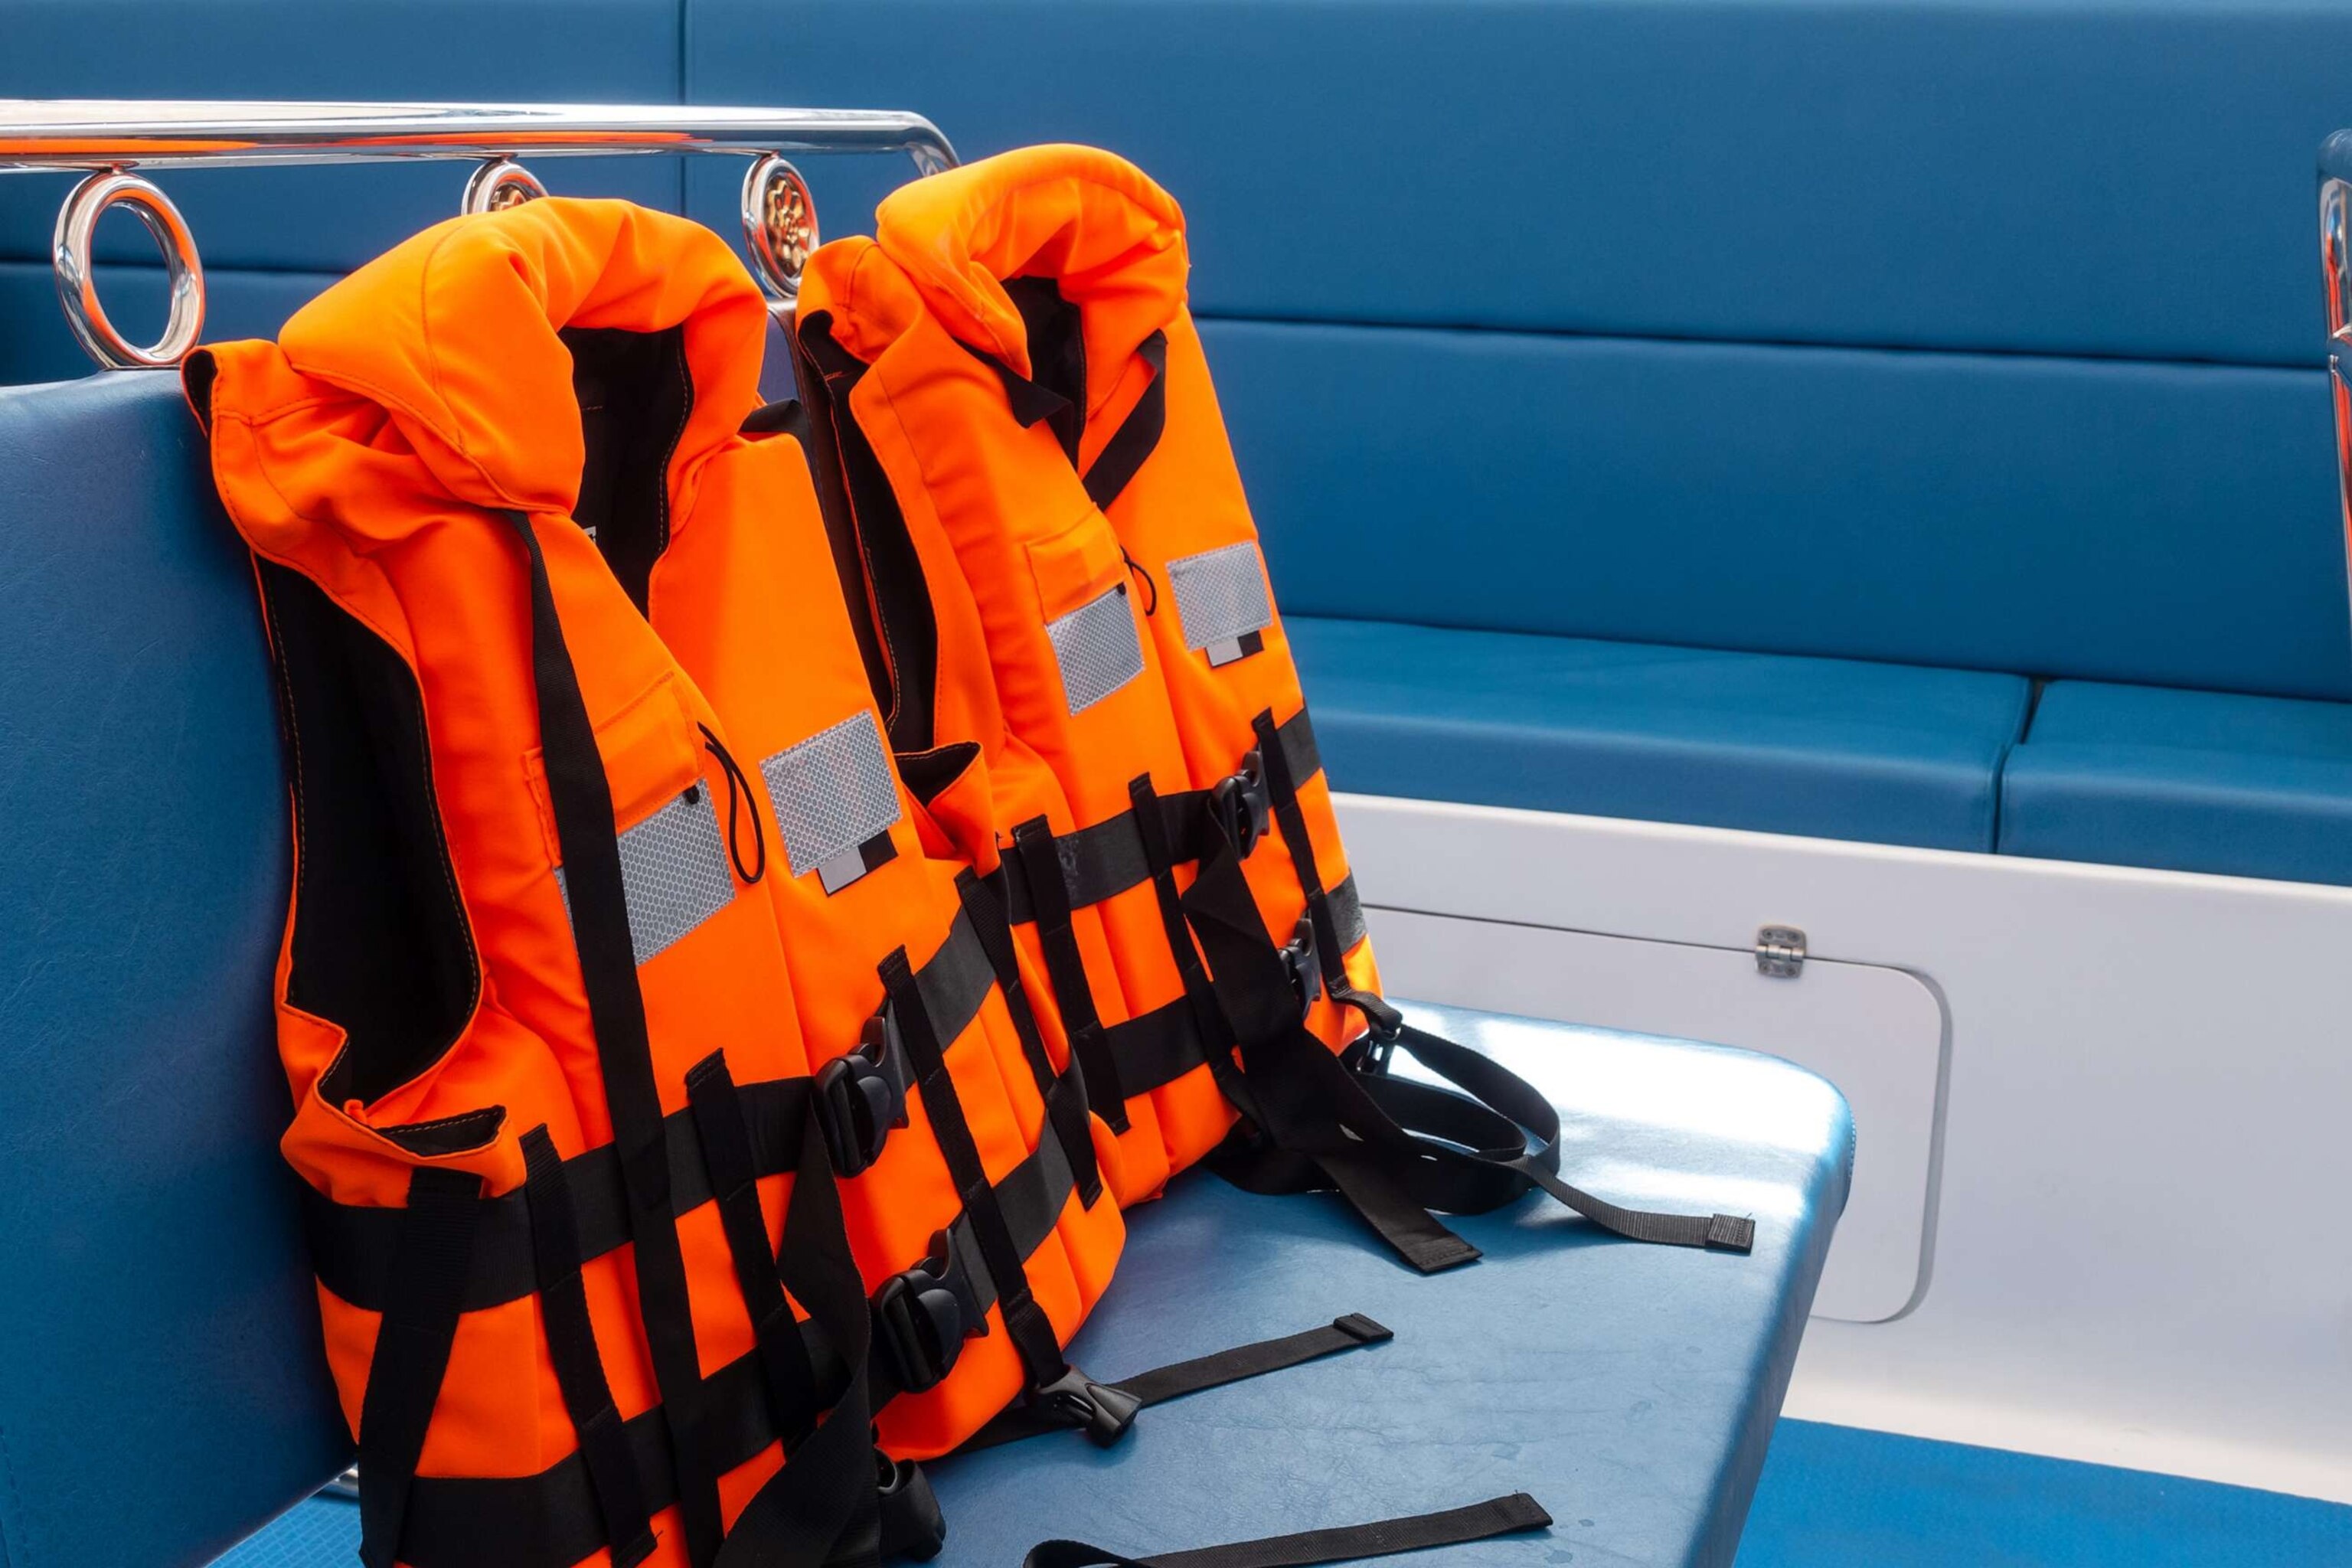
x,y
2144,1092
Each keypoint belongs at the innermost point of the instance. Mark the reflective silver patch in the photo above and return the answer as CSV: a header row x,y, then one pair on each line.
x,y
832,792
1221,598
673,872
1097,648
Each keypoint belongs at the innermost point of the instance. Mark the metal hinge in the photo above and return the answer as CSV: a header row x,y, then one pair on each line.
x,y
1779,952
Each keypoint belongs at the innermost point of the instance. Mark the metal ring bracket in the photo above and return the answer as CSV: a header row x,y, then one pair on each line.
x,y
77,277
118,143
497,185
780,227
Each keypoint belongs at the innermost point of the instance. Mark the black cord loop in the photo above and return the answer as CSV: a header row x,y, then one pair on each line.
x,y
739,791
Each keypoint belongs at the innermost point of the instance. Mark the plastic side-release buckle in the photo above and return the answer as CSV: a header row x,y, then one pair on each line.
x,y
1384,1028
923,1315
860,1097
1304,967
912,1524
1241,805
1103,1412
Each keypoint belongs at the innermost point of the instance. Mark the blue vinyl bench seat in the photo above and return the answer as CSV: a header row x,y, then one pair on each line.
x,y
2186,780
1630,1390
1830,748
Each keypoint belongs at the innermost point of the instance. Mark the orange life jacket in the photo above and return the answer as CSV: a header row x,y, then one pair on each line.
x,y
616,946
1017,435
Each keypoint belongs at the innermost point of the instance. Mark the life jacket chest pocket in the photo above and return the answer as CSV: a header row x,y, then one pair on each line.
x,y
1082,593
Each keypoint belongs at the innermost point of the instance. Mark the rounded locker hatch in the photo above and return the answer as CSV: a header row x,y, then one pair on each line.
x,y
1877,1033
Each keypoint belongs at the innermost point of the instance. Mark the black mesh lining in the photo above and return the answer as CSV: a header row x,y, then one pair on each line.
x,y
380,940
635,394
927,775
1057,351
881,575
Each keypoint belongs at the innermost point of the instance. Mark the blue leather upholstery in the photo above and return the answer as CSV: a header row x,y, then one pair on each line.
x,y
1631,1389
266,235
1826,747
2097,177
1929,334
38,346
160,1380
2189,781
1709,247
2171,524
503,51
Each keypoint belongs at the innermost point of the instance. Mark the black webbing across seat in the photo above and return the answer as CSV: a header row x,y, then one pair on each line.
x,y
1341,1543
1158,1386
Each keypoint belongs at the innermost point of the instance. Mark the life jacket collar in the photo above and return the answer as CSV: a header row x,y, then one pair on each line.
x,y
458,335
1111,241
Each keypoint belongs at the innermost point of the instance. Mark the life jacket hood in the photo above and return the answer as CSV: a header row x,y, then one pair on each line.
x,y
457,337
1111,241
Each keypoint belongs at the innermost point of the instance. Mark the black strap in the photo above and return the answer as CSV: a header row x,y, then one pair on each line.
x,y
1039,855
1282,785
1108,857
604,1441
1201,1010
412,1354
787,417
1458,1154
1155,1049
1158,1386
734,1181
582,799
822,1506
353,1248
1314,1125
1414,1532
1032,1330
551,1519
1138,434
985,912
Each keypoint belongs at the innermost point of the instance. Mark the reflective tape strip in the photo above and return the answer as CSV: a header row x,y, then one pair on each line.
x,y
1098,647
1221,595
833,792
673,872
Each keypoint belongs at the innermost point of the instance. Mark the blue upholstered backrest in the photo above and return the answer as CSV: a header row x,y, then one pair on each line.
x,y
1932,330
161,1386
1965,334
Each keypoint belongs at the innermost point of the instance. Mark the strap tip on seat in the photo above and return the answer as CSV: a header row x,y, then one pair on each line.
x,y
1357,1326
1730,1233
1103,1412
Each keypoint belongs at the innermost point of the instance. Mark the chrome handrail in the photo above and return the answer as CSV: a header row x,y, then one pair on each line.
x,y
2335,274
110,138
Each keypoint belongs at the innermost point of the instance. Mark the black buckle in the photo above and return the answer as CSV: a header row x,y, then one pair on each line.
x,y
1103,1412
1305,969
1383,1026
923,1315
912,1524
859,1098
1241,805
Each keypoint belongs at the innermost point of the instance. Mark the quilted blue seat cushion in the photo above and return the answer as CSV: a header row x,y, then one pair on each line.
x,y
1830,748
2184,781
